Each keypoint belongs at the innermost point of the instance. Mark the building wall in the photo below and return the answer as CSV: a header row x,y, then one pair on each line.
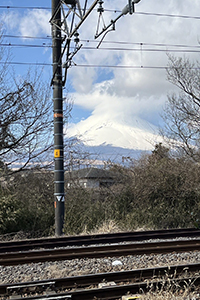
x,y
89,183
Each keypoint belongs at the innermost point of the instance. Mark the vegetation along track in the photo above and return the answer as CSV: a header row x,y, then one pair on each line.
x,y
98,251
87,287
29,244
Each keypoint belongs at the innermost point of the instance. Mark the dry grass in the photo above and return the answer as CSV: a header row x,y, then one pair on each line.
x,y
111,226
107,227
171,290
167,295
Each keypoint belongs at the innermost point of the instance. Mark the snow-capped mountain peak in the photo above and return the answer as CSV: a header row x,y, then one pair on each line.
x,y
132,133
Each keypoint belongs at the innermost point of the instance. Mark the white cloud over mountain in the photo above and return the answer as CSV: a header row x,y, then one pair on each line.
x,y
138,93
116,121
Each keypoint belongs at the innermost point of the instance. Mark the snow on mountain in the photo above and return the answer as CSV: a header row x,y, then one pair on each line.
x,y
131,133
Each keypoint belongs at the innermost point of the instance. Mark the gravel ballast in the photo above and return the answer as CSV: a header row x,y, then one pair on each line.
x,y
75,267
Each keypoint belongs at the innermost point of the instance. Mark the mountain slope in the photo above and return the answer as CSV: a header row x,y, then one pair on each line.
x,y
132,133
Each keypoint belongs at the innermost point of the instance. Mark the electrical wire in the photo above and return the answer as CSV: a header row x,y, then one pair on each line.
x,y
142,44
108,10
103,42
143,50
25,63
96,66
168,15
109,48
23,7
121,66
157,14
26,37
25,45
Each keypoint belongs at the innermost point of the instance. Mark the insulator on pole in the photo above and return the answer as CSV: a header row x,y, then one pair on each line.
x,y
100,9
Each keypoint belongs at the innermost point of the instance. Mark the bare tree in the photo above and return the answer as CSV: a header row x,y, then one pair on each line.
x,y
182,110
26,119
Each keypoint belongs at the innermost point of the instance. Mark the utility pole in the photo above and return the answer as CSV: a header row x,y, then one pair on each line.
x,y
59,25
76,10
59,196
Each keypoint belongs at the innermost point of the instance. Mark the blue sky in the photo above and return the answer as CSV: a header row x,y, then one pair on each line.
x,y
21,22
113,91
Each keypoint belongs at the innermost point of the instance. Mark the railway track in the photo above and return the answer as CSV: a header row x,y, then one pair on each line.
x,y
87,287
115,245
113,250
86,240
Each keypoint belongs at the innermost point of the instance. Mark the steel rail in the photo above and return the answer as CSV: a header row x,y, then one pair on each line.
x,y
72,282
114,250
113,292
25,245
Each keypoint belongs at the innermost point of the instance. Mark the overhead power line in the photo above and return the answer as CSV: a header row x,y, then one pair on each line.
x,y
179,50
106,42
95,65
120,66
168,15
143,49
25,63
109,10
23,7
26,45
141,44
158,14
26,37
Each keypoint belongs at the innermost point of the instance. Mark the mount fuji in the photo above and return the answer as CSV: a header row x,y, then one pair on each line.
x,y
114,137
